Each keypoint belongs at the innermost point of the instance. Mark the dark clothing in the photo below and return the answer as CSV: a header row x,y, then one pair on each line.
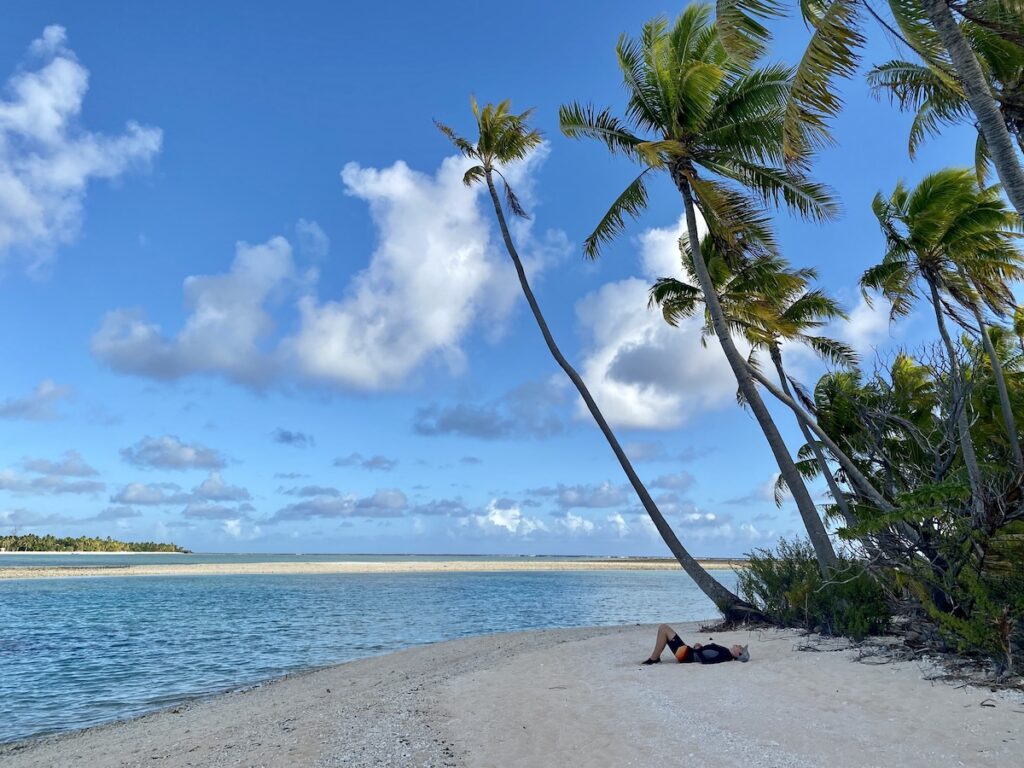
x,y
682,652
713,653
706,654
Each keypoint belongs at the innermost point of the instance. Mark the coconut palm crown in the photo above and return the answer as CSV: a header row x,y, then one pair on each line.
x,y
504,138
694,111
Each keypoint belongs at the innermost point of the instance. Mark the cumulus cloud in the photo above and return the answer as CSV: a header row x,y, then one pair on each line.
x,y
373,463
384,503
678,481
47,159
508,520
213,488
289,437
434,240
311,490
116,513
151,494
575,524
447,507
46,484
643,372
584,496
37,406
868,325
313,241
169,452
226,329
71,464
533,409
208,511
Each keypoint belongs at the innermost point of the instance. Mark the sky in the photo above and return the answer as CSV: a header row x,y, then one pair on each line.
x,y
247,305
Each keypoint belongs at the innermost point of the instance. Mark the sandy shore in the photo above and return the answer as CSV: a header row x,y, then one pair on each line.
x,y
570,697
423,566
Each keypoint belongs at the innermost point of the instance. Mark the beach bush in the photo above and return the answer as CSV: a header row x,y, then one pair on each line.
x,y
786,585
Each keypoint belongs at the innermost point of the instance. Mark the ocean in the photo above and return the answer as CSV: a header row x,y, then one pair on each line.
x,y
80,652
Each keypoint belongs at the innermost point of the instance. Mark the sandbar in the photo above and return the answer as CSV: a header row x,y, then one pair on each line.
x,y
418,566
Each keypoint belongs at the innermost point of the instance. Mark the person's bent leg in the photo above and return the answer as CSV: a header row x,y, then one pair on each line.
x,y
665,633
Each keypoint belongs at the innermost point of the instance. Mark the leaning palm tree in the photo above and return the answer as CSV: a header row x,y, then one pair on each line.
x,y
938,30
957,241
937,96
505,138
765,303
715,127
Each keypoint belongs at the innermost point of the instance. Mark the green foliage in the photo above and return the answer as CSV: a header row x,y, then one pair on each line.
x,y
49,543
786,585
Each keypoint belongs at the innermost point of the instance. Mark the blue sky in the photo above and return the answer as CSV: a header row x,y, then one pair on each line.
x,y
247,305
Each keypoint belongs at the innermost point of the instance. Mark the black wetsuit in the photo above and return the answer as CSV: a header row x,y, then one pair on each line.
x,y
706,654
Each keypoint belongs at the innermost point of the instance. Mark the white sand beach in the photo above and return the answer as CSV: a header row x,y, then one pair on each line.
x,y
421,566
571,697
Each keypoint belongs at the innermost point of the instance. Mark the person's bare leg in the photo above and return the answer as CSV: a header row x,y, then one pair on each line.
x,y
664,633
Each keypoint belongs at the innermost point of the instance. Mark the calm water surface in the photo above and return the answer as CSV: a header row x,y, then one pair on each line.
x,y
79,652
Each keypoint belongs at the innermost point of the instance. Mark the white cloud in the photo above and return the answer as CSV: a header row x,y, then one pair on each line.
x,y
47,159
435,274
434,242
37,406
508,519
868,326
643,372
313,241
574,523
619,523
169,452
224,330
71,464
213,488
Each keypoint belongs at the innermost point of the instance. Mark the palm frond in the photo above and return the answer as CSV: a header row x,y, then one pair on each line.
x,y
630,203
833,52
740,25
577,120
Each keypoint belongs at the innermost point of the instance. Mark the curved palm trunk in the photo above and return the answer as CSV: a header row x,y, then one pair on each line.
x,y
1004,396
861,483
729,604
960,402
823,549
990,120
833,487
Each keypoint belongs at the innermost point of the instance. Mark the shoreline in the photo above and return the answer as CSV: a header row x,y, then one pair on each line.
x,y
358,567
557,696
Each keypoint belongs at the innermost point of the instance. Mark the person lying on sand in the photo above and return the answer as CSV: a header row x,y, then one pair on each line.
x,y
685,654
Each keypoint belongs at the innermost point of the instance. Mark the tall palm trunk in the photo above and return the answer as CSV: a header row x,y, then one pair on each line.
x,y
986,110
959,400
823,549
1009,422
729,604
857,478
833,487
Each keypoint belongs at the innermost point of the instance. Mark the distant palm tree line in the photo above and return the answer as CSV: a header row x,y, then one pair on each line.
x,y
48,543
737,137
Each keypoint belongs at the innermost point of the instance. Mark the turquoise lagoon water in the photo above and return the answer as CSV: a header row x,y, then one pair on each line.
x,y
80,652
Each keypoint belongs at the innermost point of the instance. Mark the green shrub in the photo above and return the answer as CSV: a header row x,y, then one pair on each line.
x,y
787,586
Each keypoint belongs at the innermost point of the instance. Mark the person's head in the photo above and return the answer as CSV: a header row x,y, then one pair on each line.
x,y
740,652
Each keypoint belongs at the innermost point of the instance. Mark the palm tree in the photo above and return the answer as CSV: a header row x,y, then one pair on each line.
x,y
715,127
936,95
928,27
503,138
766,304
957,240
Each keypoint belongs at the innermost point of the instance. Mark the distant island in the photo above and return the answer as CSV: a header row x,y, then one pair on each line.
x,y
32,543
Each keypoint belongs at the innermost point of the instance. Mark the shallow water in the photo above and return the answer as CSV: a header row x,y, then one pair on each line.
x,y
79,652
